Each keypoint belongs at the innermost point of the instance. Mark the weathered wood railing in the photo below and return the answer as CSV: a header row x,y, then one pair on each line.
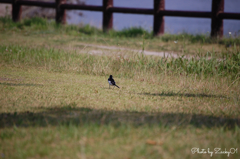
x,y
217,14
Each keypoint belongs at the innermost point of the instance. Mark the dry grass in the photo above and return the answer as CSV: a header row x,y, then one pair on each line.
x,y
60,115
161,92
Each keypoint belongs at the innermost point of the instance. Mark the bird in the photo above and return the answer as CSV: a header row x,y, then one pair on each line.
x,y
111,81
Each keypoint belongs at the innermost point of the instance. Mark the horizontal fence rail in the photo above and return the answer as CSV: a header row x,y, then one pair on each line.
x,y
36,3
217,14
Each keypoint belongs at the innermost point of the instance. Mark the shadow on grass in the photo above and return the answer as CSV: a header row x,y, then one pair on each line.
x,y
169,94
20,84
70,114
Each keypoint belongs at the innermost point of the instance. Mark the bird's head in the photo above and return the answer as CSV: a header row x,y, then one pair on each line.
x,y
110,76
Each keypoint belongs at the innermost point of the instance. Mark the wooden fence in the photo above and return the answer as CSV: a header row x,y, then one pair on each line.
x,y
217,14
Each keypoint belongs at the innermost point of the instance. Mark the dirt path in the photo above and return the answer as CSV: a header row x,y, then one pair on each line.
x,y
115,49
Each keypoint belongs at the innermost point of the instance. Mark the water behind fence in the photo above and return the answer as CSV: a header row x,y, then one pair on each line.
x,y
107,8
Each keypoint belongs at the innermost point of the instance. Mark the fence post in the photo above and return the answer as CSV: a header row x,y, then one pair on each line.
x,y
60,13
217,23
16,11
158,22
107,16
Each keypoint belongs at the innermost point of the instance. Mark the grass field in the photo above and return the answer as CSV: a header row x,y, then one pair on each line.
x,y
56,103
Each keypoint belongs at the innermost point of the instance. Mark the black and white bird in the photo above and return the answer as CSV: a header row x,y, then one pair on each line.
x,y
111,82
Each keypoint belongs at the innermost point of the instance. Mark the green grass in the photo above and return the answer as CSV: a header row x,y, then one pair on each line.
x,y
125,65
56,103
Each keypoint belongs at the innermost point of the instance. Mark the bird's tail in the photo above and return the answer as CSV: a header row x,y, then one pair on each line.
x,y
117,86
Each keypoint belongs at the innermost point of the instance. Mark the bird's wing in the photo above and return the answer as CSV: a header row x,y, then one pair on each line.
x,y
113,82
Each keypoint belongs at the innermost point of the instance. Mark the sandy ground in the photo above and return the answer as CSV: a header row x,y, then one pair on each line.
x,y
5,9
28,11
